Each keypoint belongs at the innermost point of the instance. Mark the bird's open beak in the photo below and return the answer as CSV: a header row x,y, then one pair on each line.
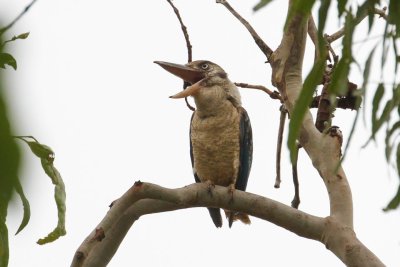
x,y
189,91
188,74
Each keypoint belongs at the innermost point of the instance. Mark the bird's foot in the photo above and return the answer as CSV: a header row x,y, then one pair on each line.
x,y
231,189
210,186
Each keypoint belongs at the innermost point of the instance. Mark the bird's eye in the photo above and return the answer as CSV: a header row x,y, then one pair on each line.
x,y
204,66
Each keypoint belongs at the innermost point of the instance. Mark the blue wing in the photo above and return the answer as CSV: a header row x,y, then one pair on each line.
x,y
215,213
246,150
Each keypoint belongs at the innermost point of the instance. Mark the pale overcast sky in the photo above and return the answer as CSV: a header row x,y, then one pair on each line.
x,y
86,86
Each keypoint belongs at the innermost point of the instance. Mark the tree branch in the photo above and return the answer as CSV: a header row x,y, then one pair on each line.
x,y
184,30
324,150
3,30
381,12
272,94
260,42
145,198
313,33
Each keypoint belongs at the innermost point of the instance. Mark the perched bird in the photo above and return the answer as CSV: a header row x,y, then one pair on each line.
x,y
220,131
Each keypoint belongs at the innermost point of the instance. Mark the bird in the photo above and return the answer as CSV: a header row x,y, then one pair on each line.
x,y
221,142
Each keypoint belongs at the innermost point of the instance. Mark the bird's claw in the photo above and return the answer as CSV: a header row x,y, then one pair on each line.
x,y
210,187
231,189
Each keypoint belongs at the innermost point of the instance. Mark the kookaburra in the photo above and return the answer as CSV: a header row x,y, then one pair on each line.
x,y
221,144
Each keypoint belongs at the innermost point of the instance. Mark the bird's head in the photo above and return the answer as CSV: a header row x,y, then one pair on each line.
x,y
209,83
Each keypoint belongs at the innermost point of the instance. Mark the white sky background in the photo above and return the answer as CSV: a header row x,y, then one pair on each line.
x,y
86,86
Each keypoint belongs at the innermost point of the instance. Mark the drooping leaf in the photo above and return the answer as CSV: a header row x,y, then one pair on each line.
x,y
353,128
366,73
7,59
339,80
302,104
341,5
47,157
394,203
4,249
9,165
26,206
322,15
389,133
367,9
261,4
375,106
393,16
396,54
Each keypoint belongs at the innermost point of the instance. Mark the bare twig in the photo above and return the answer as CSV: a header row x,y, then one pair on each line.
x,y
279,145
3,30
313,33
188,46
188,104
296,198
261,44
381,12
184,30
272,94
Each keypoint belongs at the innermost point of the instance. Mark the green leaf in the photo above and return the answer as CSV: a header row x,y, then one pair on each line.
x,y
338,85
22,35
396,55
339,81
40,150
375,106
341,7
7,59
9,165
25,204
47,157
302,104
261,4
4,249
393,16
366,77
394,203
322,15
389,134
60,196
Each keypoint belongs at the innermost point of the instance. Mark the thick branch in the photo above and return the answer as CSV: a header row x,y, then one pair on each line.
x,y
97,250
323,149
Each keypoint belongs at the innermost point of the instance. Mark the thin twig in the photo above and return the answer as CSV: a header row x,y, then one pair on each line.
x,y
3,30
188,46
296,198
313,33
279,146
272,94
184,30
381,12
188,104
261,44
